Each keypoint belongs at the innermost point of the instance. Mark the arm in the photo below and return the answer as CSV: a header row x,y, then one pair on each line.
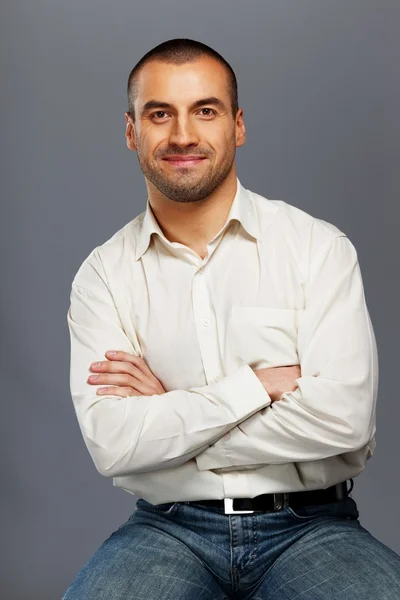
x,y
333,409
136,434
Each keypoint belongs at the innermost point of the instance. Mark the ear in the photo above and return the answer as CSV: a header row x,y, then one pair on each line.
x,y
130,132
240,129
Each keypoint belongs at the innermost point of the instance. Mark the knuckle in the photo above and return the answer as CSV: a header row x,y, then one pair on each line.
x,y
126,391
131,369
126,380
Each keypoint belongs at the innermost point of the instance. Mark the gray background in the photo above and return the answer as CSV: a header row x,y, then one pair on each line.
x,y
319,85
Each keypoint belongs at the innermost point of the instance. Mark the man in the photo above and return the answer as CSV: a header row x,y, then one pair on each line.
x,y
224,369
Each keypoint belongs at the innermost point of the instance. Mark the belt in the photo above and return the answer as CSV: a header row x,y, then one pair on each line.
x,y
278,502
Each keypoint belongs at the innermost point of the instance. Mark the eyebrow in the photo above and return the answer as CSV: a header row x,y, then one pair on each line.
x,y
150,104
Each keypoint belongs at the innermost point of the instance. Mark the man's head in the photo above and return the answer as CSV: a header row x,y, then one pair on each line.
x,y
182,102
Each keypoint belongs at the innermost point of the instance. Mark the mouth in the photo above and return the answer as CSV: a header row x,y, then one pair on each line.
x,y
190,161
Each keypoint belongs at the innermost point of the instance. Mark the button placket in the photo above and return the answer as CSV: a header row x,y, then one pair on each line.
x,y
206,330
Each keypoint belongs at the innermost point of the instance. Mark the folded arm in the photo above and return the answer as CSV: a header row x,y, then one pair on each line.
x,y
136,434
332,411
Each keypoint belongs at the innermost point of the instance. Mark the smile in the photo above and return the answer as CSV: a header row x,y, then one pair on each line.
x,y
184,162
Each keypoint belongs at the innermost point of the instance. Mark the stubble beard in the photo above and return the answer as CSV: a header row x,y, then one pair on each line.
x,y
184,186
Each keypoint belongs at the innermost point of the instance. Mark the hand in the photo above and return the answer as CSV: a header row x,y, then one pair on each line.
x,y
278,380
128,375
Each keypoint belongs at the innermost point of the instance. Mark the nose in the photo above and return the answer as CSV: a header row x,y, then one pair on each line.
x,y
183,132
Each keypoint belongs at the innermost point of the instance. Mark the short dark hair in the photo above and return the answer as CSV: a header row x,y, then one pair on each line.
x,y
179,51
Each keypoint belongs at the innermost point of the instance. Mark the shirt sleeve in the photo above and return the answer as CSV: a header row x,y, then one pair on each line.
x,y
332,411
136,434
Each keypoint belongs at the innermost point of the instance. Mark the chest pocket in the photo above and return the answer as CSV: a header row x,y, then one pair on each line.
x,y
264,337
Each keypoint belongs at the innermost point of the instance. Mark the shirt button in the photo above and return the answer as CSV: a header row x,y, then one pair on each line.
x,y
217,377
200,270
206,322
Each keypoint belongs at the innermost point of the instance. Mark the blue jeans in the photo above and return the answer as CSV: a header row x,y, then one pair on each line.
x,y
177,551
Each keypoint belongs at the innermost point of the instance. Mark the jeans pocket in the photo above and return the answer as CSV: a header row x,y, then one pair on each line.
x,y
166,508
306,513
342,509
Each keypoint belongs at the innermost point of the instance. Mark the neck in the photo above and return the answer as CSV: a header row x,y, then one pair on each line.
x,y
194,224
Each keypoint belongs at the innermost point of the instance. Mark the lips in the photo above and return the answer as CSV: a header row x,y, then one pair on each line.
x,y
184,161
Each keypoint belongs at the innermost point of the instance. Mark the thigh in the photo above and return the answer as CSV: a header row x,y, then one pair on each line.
x,y
337,559
141,562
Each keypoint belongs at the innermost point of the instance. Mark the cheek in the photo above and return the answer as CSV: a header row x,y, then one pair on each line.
x,y
149,138
155,142
226,146
218,139
224,137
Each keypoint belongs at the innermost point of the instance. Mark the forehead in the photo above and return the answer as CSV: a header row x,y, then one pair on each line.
x,y
188,81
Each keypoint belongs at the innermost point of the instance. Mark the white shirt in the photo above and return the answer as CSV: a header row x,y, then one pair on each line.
x,y
278,287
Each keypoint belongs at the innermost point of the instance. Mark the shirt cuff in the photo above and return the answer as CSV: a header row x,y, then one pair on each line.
x,y
247,396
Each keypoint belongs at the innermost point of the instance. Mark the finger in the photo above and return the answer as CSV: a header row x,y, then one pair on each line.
x,y
125,357
137,361
107,366
117,391
121,380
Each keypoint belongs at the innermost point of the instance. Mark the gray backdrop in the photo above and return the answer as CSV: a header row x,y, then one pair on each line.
x,y
319,85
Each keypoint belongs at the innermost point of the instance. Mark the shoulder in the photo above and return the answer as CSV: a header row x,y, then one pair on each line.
x,y
296,225
110,255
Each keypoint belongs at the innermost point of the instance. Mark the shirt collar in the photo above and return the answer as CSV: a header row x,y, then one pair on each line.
x,y
242,209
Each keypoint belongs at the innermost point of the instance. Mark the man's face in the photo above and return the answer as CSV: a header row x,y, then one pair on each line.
x,y
175,127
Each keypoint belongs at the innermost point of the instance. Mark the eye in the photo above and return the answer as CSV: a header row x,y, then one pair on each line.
x,y
211,114
158,112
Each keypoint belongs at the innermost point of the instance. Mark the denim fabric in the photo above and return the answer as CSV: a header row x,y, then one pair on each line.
x,y
177,551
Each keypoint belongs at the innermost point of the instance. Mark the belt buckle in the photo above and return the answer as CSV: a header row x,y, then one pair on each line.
x,y
229,510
